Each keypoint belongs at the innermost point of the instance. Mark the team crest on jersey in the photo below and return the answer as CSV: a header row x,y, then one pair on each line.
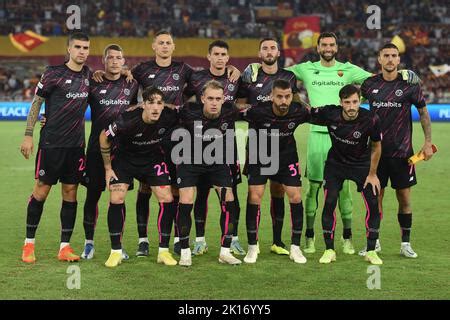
x,y
340,73
399,93
230,87
291,125
161,131
86,82
224,126
357,134
176,76
126,92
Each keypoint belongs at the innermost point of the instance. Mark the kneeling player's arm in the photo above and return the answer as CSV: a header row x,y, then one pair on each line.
x,y
374,157
105,149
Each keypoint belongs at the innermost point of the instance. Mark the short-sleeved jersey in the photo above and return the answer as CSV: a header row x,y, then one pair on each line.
x,y
107,100
66,99
170,80
323,83
391,101
137,141
199,78
265,122
349,138
260,90
197,124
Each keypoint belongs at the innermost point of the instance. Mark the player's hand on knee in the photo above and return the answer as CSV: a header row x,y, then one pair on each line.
x,y
98,75
26,148
373,180
110,176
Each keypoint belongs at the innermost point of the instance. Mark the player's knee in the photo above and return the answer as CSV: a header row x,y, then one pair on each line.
x,y
69,192
254,197
165,196
295,198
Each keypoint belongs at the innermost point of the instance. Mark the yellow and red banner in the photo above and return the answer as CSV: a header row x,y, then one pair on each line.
x,y
27,41
300,34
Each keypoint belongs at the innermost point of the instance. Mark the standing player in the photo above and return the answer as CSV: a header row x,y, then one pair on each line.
x,y
60,156
391,99
139,133
278,117
218,57
323,80
207,126
170,77
351,157
107,99
260,91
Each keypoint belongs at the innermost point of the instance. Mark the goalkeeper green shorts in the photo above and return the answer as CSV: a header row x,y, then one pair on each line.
x,y
319,143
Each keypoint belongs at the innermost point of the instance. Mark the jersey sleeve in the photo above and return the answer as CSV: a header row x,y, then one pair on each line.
x,y
417,97
188,72
115,128
321,116
358,75
365,89
243,90
47,83
293,83
297,70
134,93
136,72
375,135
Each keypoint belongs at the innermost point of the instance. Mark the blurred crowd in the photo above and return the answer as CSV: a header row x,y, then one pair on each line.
x,y
422,24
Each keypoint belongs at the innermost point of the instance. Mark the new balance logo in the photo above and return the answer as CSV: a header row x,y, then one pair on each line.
x,y
69,81
259,85
375,91
151,76
411,179
333,127
103,91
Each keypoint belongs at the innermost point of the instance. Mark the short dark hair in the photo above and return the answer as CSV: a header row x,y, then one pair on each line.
x,y
269,39
218,43
149,92
160,32
213,84
281,84
388,46
348,90
113,46
77,36
327,35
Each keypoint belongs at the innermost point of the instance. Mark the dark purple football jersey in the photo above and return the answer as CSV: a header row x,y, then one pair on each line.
x,y
107,100
391,101
199,78
66,99
197,124
350,139
170,80
262,118
260,90
137,141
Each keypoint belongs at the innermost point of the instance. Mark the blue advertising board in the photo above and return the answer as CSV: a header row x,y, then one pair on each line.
x,y
19,111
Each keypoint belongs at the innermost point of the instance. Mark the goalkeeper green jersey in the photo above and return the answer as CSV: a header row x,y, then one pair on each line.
x,y
323,83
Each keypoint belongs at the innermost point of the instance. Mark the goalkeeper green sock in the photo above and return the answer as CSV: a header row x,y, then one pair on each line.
x,y
311,204
346,205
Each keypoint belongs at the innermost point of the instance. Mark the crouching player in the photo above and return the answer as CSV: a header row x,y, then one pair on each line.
x,y
354,155
138,133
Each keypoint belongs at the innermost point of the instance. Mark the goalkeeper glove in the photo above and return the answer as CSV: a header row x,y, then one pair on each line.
x,y
251,73
410,77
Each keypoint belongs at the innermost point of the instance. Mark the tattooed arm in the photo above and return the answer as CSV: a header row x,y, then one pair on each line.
x,y
26,148
105,149
425,121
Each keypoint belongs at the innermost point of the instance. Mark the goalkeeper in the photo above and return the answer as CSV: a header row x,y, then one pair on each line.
x,y
323,80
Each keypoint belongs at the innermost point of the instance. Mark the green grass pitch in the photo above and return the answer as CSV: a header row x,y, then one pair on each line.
x,y
272,277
